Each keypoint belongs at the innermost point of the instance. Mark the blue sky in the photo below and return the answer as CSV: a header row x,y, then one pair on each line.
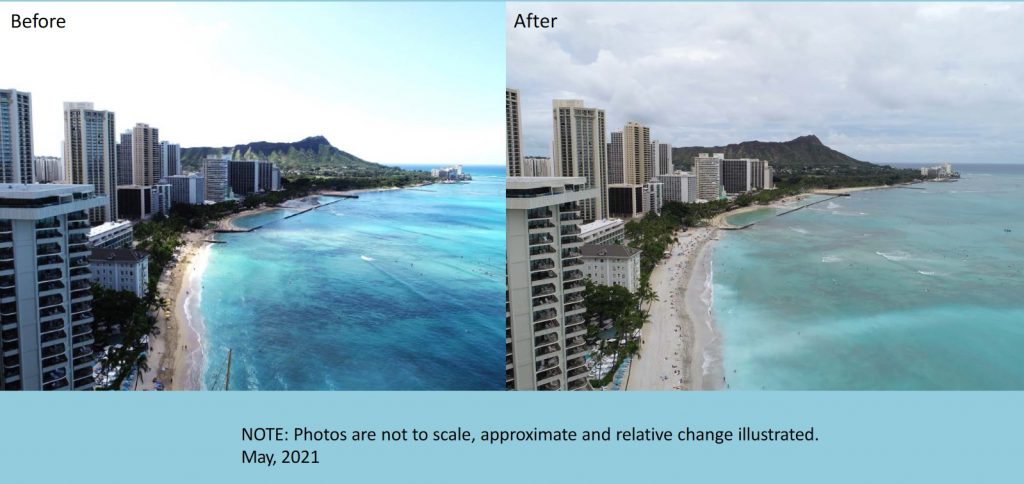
x,y
882,82
394,83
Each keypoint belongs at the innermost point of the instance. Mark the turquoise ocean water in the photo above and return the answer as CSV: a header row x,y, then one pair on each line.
x,y
398,290
892,289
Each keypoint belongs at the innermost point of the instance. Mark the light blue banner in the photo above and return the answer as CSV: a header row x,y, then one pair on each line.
x,y
193,437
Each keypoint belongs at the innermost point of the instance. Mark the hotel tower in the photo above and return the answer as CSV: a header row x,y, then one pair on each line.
x,y
579,150
513,134
544,325
90,155
45,309
16,161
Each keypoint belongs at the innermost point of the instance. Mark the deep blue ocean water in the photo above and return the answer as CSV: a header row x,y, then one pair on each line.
x,y
398,290
893,289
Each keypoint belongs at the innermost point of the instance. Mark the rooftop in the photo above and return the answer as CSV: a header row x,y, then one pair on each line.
x,y
117,255
605,223
38,190
106,226
610,251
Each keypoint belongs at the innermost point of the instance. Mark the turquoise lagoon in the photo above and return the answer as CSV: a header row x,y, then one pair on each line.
x,y
398,290
894,289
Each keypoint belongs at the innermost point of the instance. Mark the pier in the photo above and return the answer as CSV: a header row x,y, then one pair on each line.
x,y
812,203
237,230
330,193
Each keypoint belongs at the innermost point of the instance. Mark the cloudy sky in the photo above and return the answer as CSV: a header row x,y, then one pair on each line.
x,y
391,83
881,82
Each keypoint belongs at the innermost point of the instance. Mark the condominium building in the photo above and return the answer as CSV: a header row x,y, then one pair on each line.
x,y
253,176
170,159
680,186
615,174
122,269
215,171
736,175
612,265
708,169
578,149
544,323
16,157
161,198
146,170
111,235
134,202
90,155
604,231
655,192
49,169
637,167
661,155
537,166
513,134
187,189
45,319
124,159
626,200
761,175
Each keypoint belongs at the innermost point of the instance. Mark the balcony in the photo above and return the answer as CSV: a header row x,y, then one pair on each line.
x,y
537,239
548,349
540,341
9,309
53,336
542,264
78,249
544,290
79,215
578,384
82,373
6,255
7,265
81,295
80,272
79,284
574,342
78,239
81,329
540,224
55,374
7,293
547,364
51,313
571,230
48,223
54,350
536,213
49,275
81,317
9,336
6,282
572,286
572,240
572,275
545,326
575,363
573,262
574,297
540,276
83,339
85,360
48,234
566,217
81,351
47,301
80,262
56,385
569,253
544,375
84,382
51,326
542,301
574,307
555,385
544,315
577,371
541,250
78,226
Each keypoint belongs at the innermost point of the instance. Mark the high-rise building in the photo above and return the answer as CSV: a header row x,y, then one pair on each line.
x,y
708,168
579,150
513,134
612,265
120,269
124,160
680,186
16,158
544,324
215,171
112,235
134,202
626,200
45,317
170,159
161,198
636,154
537,166
736,176
90,155
655,191
253,176
187,189
49,169
615,174
760,175
146,170
661,155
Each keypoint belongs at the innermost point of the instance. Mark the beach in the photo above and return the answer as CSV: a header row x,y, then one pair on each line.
x,y
680,347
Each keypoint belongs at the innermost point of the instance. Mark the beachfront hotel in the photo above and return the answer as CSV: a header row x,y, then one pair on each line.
x,y
253,176
90,155
215,171
120,269
578,150
187,189
45,308
16,160
679,187
612,265
513,134
112,235
742,175
604,231
544,325
708,169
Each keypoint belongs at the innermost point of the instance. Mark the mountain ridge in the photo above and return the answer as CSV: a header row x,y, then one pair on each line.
x,y
802,153
310,155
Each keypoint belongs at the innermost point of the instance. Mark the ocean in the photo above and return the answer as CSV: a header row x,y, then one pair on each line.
x,y
893,289
397,290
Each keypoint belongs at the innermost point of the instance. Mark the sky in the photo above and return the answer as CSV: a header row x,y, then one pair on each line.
x,y
391,83
887,83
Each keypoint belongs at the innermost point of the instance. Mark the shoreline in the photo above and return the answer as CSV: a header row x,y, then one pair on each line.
x,y
678,338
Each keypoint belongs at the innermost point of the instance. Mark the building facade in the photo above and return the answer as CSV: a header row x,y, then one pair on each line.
x,y
121,269
655,191
252,176
544,325
170,159
679,187
111,235
16,156
615,174
215,171
49,169
513,134
637,168
604,231
708,169
537,166
187,189
578,149
45,302
146,170
134,202
161,198
125,169
90,155
612,265
661,158
625,200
